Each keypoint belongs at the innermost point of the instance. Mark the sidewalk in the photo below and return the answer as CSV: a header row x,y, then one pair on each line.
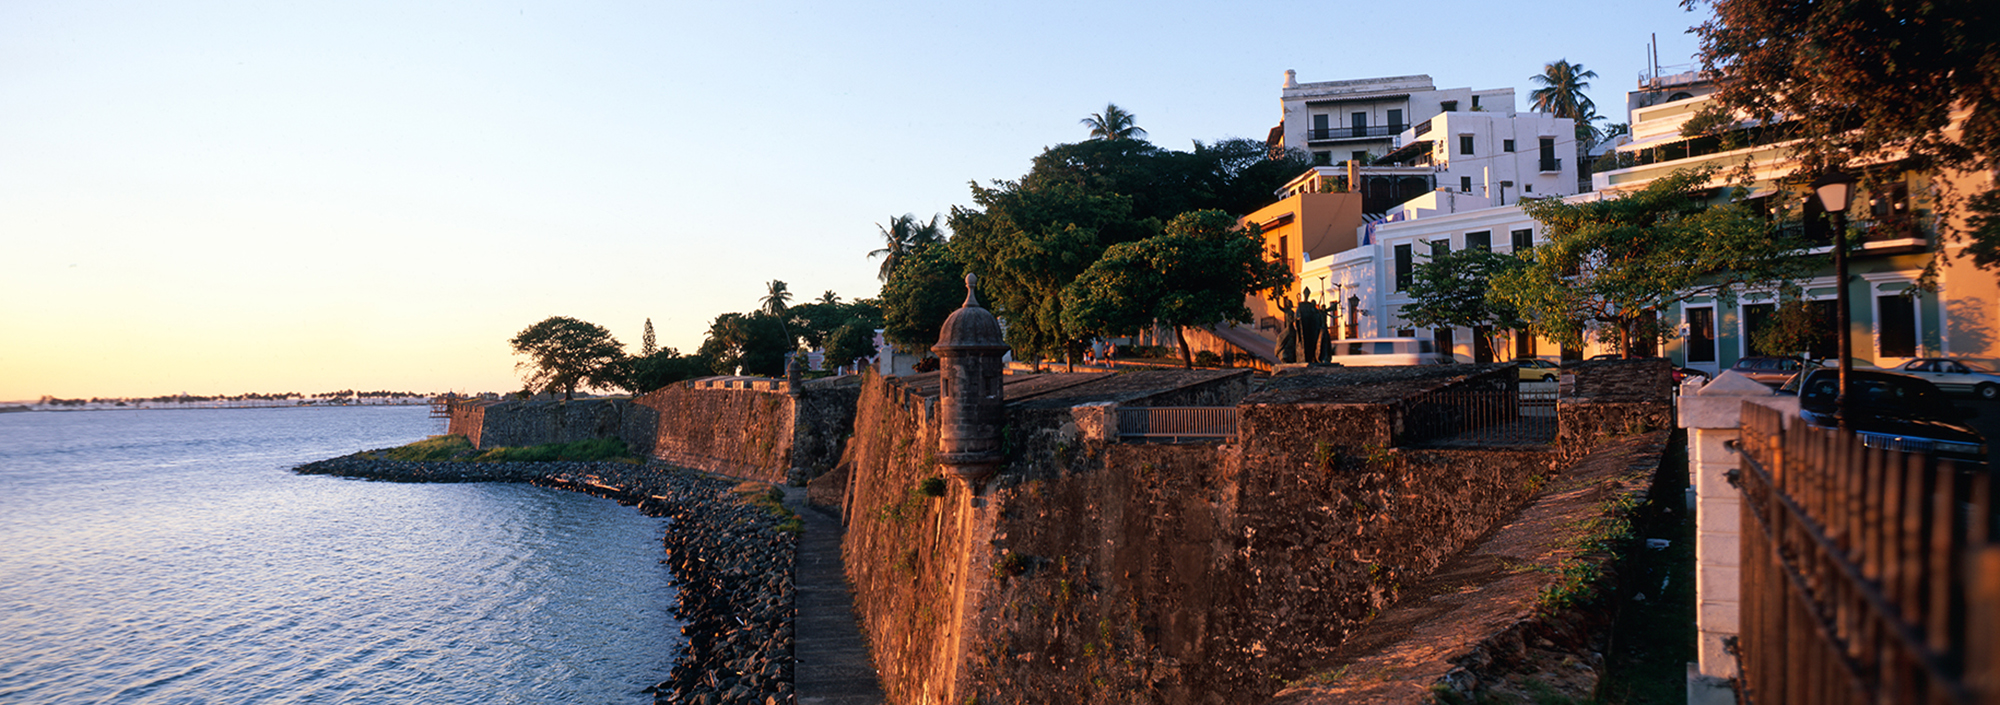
x,y
831,664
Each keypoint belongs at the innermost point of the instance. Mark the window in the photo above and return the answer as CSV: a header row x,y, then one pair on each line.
x,y
1482,240
1406,333
1482,344
1442,337
1755,317
1465,144
1360,155
1506,145
1465,184
1449,106
1548,155
1320,129
1360,123
1524,344
1896,326
1529,188
1322,158
1396,120
1701,334
1403,267
1440,248
1524,239
1475,102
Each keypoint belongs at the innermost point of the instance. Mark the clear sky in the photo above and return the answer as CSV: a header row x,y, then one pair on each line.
x,y
229,197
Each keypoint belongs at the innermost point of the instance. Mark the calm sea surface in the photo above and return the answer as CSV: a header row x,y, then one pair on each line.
x,y
171,557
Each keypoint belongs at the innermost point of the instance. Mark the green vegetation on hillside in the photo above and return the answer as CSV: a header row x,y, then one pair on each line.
x,y
455,448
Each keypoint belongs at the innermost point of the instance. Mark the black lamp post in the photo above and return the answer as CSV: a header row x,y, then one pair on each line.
x,y
1833,190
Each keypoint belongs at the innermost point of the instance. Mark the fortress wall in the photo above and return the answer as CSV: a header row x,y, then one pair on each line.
x,y
1091,570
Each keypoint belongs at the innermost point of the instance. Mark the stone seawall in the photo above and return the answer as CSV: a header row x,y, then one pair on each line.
x,y
756,434
1093,570
732,558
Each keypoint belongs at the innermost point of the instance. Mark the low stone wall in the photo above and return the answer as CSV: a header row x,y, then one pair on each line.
x,y
752,433
528,423
1605,399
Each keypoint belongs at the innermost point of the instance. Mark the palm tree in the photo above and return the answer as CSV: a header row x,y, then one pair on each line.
x,y
1561,91
1113,124
829,298
903,237
777,298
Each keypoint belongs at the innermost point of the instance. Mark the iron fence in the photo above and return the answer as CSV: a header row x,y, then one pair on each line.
x,y
1177,424
1868,575
1478,418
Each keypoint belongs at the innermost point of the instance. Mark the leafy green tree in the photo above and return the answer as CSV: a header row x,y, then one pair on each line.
x,y
1027,244
661,368
1113,124
1028,239
853,341
1837,79
564,353
754,342
919,296
1618,264
1455,289
1194,274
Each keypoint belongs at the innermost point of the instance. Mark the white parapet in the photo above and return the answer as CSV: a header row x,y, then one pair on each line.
x,y
1712,413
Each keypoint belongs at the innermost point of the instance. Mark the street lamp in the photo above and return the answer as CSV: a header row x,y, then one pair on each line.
x,y
1834,189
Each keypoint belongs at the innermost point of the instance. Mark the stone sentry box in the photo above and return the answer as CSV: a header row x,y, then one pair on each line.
x,y
971,405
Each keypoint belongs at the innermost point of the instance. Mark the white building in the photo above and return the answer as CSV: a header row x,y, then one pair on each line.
x,y
1340,120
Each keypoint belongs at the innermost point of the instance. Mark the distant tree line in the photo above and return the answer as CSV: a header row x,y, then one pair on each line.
x,y
564,354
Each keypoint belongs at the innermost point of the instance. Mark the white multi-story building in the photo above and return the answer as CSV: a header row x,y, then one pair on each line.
x,y
1341,120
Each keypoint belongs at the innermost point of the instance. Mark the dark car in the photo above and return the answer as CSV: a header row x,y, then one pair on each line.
x,y
1772,370
1893,412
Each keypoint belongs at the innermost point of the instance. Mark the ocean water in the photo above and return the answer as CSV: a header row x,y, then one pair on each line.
x,y
172,557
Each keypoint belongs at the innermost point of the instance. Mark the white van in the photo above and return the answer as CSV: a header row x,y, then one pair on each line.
x,y
1372,352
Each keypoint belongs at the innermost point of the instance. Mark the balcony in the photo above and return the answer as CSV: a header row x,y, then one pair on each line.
x,y
1357,132
1551,165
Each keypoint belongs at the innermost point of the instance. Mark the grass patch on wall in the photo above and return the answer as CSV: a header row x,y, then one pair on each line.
x,y
455,448
434,449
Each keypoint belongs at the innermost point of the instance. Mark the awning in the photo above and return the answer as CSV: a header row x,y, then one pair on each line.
x,y
1406,152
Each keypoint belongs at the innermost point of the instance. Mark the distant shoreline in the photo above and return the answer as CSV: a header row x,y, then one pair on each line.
x,y
158,406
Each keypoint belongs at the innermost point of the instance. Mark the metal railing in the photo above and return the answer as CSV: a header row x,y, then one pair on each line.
x,y
1868,575
1552,164
1177,424
1353,131
1478,418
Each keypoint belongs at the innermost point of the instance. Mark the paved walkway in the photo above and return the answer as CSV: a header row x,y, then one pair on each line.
x,y
832,666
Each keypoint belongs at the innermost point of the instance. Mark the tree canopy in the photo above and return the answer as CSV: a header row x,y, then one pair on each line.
x,y
1838,76
919,296
1028,239
1454,289
565,353
1615,265
1196,273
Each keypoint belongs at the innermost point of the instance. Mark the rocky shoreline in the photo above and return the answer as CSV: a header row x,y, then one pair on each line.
x,y
732,551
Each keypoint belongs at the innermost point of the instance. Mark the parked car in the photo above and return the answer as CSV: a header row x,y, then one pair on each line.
x,y
1772,370
1370,352
1955,375
1681,374
1892,411
1537,370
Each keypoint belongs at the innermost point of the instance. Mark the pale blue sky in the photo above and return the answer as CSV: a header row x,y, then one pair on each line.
x,y
224,197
